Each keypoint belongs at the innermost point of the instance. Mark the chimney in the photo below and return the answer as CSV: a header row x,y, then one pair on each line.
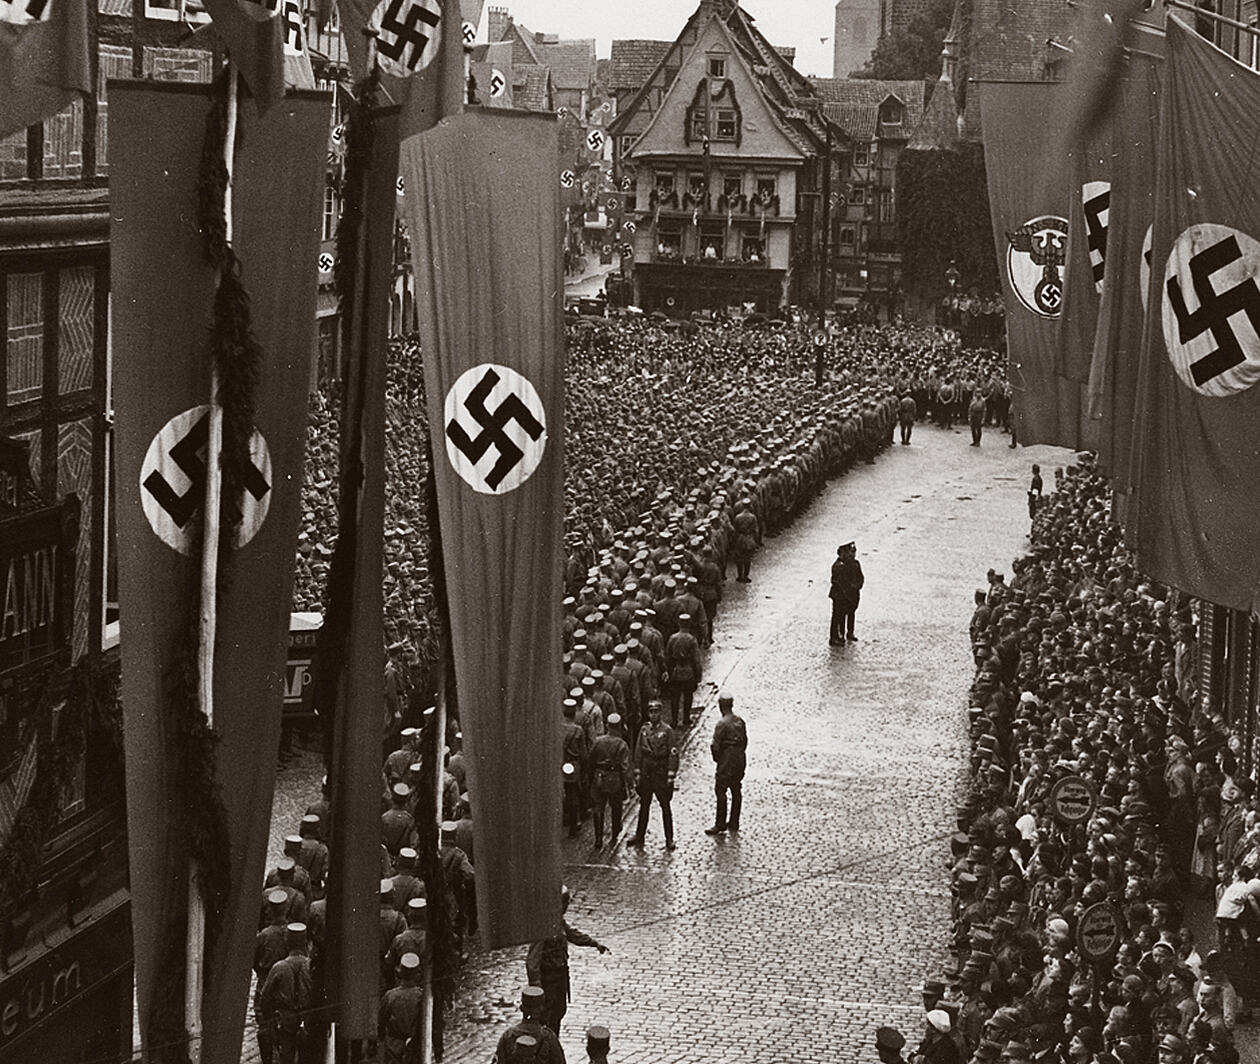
x,y
500,24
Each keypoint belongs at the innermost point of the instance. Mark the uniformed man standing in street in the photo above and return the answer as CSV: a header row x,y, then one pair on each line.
x,y
270,947
547,966
907,412
730,742
682,661
846,587
745,541
655,767
610,778
400,1011
286,996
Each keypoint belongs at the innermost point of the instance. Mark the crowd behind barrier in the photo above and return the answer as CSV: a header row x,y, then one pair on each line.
x,y
1102,790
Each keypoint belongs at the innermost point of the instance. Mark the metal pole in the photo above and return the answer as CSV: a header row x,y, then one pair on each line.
x,y
1214,17
439,742
824,295
195,939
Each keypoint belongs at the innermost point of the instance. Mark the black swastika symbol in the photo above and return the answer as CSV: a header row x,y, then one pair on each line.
x,y
34,8
399,33
1095,208
1215,310
292,16
492,426
187,455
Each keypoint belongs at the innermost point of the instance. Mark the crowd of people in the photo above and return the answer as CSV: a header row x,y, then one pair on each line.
x,y
1108,816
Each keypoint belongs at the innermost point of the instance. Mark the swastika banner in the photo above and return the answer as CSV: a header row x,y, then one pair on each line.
x,y
1028,196
486,255
1089,207
162,292
1194,518
1121,311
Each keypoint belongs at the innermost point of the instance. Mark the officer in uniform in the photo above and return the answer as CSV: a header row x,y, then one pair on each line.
x,y
846,586
655,768
610,778
392,924
270,946
398,1019
730,741
406,884
682,660
708,589
413,940
285,997
907,412
533,1002
314,853
397,824
745,541
547,966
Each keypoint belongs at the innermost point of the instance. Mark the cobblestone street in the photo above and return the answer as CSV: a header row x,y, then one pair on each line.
x,y
817,921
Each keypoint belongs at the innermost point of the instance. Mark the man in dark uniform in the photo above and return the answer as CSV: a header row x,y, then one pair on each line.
x,y
889,1043
708,589
975,417
745,541
398,826
846,587
392,924
598,1041
415,939
400,1012
730,741
610,778
270,947
547,966
907,411
682,660
655,767
533,1002
286,996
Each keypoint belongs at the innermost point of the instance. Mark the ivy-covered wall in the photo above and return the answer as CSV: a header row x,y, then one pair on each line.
x,y
943,214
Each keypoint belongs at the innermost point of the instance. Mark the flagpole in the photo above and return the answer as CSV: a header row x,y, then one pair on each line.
x,y
439,744
195,941
1212,16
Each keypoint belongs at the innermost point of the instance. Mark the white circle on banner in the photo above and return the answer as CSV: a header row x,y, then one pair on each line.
x,y
409,34
326,262
567,178
1096,207
1035,254
498,83
496,428
400,186
629,226
470,33
1211,309
1144,268
173,483
595,140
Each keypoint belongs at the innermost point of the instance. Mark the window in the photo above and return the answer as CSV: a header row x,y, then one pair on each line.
x,y
717,66
732,185
712,247
625,143
695,183
699,129
664,182
886,205
846,235
754,248
328,226
169,10
891,113
669,243
857,196
861,157
727,125
25,340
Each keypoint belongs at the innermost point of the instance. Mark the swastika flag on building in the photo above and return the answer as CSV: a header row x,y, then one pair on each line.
x,y
1122,309
1194,518
1028,196
162,292
486,255
45,59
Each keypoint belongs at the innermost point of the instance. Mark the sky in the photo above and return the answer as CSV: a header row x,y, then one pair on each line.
x,y
799,23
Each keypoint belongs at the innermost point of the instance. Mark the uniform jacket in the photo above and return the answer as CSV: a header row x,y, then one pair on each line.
x,y
846,580
730,741
656,753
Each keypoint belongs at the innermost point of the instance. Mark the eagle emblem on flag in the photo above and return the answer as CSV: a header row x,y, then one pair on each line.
x,y
1035,255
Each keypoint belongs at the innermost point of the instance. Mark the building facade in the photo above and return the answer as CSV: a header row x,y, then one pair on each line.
x,y
854,35
720,151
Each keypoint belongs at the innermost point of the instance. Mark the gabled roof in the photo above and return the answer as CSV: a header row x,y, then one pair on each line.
x,y
531,86
572,63
853,103
631,63
939,125
764,131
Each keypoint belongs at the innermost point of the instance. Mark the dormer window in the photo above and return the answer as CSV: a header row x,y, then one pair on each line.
x,y
727,125
717,66
891,113
698,130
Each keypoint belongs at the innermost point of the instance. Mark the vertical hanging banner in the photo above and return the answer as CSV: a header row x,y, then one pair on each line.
x,y
483,212
46,50
1028,196
162,292
1193,521
1089,203
1113,379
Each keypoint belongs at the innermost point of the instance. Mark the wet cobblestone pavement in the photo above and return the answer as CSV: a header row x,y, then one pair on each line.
x,y
817,922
